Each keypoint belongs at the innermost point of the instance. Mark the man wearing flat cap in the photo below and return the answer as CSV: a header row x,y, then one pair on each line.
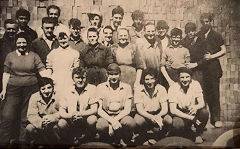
x,y
115,98
213,45
95,19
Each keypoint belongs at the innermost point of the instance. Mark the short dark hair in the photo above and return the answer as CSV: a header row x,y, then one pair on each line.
x,y
93,29
190,26
48,20
23,12
79,71
118,10
53,7
44,81
162,24
137,14
208,16
74,22
151,72
22,35
9,21
184,70
176,31
108,27
147,24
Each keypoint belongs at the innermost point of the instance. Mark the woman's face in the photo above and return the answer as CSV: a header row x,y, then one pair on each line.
x,y
95,21
123,36
63,41
149,81
21,44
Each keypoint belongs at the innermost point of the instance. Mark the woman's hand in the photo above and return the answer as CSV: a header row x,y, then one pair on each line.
x,y
2,94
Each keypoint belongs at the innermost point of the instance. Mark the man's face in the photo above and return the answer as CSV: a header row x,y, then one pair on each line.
x,y
92,37
75,31
206,24
117,19
22,21
95,21
63,41
80,80
46,90
175,40
21,44
11,30
191,34
150,32
113,77
123,36
184,79
108,34
53,13
138,22
149,81
48,29
162,32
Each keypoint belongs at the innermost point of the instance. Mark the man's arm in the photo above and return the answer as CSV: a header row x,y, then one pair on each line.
x,y
92,110
126,110
164,110
144,113
103,114
175,111
32,113
165,74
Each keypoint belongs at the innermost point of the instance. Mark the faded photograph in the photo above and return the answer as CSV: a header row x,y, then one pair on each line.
x,y
119,73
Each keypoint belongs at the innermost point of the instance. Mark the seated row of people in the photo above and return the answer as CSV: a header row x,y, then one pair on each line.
x,y
114,113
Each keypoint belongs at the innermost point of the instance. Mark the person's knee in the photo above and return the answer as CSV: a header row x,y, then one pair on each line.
x,y
31,129
102,125
140,121
203,114
62,124
178,123
92,120
128,121
167,120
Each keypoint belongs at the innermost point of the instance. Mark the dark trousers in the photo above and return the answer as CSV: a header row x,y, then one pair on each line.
x,y
14,113
182,126
211,96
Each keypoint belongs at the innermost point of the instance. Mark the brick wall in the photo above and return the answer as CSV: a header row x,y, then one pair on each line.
x,y
176,12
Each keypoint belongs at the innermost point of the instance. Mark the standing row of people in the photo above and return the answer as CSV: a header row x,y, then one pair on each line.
x,y
57,51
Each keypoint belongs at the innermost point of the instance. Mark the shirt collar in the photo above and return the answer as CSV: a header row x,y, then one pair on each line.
x,y
171,46
99,46
19,54
143,89
84,90
52,100
148,45
79,40
206,34
45,38
121,87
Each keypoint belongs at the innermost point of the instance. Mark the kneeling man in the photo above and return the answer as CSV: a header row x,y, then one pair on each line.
x,y
78,109
187,105
43,114
115,100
